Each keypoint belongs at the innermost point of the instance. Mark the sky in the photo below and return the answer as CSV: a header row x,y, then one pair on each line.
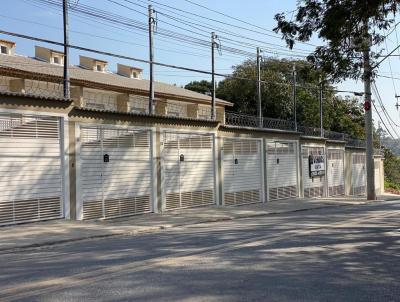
x,y
31,17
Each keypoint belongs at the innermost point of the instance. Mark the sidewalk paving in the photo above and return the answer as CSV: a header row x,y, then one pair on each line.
x,y
32,235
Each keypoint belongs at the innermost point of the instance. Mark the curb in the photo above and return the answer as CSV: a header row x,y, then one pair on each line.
x,y
155,229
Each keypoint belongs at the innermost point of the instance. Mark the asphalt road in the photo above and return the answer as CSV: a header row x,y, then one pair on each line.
x,y
333,254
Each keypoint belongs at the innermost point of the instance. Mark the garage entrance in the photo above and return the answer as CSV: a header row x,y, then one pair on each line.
x,y
358,174
242,171
188,170
115,172
31,180
313,186
282,179
335,171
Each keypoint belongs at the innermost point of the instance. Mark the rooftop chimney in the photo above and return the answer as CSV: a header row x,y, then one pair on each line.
x,y
7,47
129,71
93,64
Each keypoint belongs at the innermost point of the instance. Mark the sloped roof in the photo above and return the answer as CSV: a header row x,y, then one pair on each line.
x,y
33,66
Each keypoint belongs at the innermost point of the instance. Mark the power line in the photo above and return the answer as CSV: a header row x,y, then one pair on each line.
x,y
236,19
218,21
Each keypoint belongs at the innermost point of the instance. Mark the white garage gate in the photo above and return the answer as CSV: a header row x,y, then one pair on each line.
x,y
242,171
282,176
115,172
31,180
188,170
335,172
312,186
358,174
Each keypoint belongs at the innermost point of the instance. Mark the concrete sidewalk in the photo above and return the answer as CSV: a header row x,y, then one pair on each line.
x,y
14,238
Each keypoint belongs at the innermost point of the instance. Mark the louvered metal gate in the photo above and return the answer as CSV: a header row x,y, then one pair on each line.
x,y
242,171
335,172
31,181
188,170
282,179
115,172
358,174
312,186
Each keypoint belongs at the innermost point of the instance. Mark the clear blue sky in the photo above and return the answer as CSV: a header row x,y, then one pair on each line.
x,y
29,17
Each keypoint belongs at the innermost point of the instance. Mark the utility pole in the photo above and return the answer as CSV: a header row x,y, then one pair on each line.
x,y
371,195
66,80
295,96
151,59
321,108
213,45
259,105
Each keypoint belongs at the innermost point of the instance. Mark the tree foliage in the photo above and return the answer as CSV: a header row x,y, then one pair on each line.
x,y
340,114
391,168
202,86
344,25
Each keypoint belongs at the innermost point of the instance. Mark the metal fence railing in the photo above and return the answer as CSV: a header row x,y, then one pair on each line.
x,y
334,135
309,131
246,120
355,142
241,120
271,123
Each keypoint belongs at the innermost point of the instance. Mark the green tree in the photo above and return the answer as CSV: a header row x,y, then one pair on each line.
x,y
392,169
202,86
344,26
340,114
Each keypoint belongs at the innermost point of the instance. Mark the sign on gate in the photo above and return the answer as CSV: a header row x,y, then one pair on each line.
x,y
316,165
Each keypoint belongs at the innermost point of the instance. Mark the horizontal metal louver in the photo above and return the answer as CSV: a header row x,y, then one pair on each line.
x,y
31,179
241,198
121,185
283,192
242,171
313,192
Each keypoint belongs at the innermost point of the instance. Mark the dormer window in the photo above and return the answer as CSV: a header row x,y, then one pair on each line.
x,y
92,64
4,50
57,60
129,71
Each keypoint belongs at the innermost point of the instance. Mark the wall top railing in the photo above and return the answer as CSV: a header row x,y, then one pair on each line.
x,y
246,120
